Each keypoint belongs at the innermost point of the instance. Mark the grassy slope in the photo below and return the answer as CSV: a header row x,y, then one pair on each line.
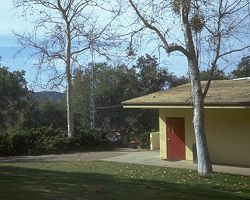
x,y
107,180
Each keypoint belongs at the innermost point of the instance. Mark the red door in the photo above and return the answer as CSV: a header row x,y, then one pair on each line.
x,y
175,138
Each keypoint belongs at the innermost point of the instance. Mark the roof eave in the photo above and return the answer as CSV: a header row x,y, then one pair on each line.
x,y
179,105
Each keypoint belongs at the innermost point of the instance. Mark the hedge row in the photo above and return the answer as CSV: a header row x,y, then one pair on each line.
x,y
47,140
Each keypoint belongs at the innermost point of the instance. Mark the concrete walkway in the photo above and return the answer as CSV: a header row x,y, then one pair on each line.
x,y
82,156
152,158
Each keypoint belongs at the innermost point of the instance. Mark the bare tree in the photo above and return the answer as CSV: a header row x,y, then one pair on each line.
x,y
192,27
63,31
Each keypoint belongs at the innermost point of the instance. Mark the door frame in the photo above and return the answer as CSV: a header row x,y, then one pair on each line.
x,y
183,135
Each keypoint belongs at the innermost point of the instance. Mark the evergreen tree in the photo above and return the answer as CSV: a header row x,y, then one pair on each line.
x,y
13,94
243,68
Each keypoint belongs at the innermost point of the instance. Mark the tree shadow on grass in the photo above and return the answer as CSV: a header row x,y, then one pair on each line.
x,y
18,183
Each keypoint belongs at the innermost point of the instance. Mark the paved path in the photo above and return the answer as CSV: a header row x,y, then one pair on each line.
x,y
127,156
63,157
152,158
81,156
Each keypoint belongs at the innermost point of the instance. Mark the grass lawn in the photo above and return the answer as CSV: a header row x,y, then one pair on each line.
x,y
109,181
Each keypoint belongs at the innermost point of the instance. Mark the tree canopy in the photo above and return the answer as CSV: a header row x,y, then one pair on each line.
x,y
13,92
243,68
114,84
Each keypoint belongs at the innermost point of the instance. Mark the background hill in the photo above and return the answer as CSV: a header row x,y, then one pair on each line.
x,y
52,95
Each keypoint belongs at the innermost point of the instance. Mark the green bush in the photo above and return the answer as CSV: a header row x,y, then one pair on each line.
x,y
47,140
20,143
6,148
91,138
36,141
60,144
145,140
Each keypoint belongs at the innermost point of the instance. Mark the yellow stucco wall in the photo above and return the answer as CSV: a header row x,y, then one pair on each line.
x,y
189,134
162,130
228,135
227,130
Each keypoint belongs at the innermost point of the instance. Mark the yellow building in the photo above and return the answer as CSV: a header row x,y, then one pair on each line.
x,y
227,121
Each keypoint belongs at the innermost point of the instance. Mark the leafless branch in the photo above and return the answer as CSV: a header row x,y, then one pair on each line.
x,y
169,48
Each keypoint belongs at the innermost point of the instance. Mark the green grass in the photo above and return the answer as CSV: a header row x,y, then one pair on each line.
x,y
107,180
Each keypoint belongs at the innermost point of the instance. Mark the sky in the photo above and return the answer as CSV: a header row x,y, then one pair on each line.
x,y
11,21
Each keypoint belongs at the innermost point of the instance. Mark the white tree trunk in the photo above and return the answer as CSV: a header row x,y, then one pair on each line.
x,y
204,163
70,122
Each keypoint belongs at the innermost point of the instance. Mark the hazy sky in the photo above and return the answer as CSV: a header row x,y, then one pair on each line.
x,y
11,21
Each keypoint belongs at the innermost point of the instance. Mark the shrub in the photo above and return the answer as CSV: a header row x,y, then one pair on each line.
x,y
91,138
145,140
20,143
47,140
6,148
37,141
60,143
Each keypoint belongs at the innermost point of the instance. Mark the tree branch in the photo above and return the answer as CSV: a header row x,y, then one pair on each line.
x,y
217,51
166,46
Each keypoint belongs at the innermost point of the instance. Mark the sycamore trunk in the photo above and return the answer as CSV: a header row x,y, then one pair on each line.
x,y
70,123
204,163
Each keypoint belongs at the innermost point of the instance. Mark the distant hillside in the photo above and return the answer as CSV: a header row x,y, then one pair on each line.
x,y
40,96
